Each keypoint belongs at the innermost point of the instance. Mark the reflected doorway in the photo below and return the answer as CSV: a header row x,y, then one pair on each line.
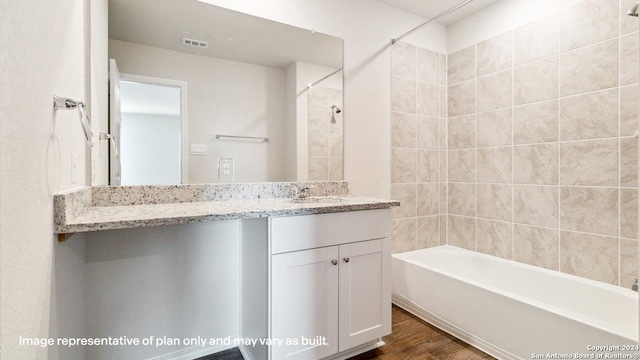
x,y
152,131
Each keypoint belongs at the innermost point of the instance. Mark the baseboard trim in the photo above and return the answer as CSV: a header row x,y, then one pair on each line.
x,y
196,352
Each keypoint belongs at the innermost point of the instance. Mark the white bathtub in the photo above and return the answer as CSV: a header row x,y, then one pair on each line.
x,y
512,310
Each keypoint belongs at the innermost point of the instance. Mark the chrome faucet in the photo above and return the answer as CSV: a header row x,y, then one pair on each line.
x,y
302,191
635,286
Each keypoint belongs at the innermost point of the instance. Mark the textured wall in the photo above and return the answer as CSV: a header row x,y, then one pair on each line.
x,y
542,154
41,280
418,156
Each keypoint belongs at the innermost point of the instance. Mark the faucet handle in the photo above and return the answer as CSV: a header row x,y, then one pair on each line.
x,y
302,190
635,285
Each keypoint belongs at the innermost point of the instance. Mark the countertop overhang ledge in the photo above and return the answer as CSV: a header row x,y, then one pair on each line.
x,y
122,207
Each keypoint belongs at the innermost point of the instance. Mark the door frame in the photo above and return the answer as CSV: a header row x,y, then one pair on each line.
x,y
184,128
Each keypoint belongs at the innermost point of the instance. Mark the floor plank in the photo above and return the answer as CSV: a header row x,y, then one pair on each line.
x,y
412,338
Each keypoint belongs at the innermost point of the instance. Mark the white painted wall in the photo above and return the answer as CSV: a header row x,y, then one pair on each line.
x,y
223,97
367,28
175,281
41,281
150,149
500,17
291,122
99,105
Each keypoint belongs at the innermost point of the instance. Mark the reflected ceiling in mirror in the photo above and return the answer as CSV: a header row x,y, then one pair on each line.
x,y
238,75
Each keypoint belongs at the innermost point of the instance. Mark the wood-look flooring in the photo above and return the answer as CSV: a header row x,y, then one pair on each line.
x,y
410,339
413,339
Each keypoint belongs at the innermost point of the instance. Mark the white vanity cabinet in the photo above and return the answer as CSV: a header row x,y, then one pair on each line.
x,y
328,277
304,302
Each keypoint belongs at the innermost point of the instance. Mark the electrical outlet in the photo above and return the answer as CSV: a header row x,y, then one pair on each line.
x,y
225,169
74,168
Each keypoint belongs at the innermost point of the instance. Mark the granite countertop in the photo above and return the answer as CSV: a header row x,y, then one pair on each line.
x,y
122,217
109,208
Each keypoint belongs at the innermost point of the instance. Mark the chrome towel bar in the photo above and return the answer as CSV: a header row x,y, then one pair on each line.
x,y
265,139
109,137
61,103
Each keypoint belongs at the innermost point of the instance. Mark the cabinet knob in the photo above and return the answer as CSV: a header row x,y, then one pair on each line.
x,y
334,262
346,259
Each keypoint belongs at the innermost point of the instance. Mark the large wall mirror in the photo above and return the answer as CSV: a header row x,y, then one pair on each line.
x,y
203,94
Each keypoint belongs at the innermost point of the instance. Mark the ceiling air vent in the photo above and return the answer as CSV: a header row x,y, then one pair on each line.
x,y
195,43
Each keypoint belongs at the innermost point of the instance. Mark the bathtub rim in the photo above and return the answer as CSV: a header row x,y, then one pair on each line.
x,y
538,304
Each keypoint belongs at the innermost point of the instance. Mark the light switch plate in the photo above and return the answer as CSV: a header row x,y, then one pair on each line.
x,y
199,149
225,169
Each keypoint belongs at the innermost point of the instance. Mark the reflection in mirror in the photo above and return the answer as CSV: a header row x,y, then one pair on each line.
x,y
191,71
324,106
150,133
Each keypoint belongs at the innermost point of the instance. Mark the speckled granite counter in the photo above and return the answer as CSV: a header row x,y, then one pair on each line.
x,y
107,208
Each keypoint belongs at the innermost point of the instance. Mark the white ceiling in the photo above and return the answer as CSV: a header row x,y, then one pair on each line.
x,y
430,8
138,98
231,35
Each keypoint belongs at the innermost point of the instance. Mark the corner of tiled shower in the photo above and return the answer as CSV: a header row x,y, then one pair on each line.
x,y
537,154
418,125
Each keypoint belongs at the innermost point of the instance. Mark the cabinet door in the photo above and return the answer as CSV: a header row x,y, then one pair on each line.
x,y
305,302
365,292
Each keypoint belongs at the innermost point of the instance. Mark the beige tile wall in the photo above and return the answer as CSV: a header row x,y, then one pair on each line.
x,y
543,160
418,151
325,134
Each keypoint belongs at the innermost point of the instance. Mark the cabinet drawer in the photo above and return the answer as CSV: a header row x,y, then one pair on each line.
x,y
295,233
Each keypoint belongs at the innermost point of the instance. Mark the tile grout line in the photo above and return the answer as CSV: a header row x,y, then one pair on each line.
x,y
446,145
475,122
541,185
550,142
415,180
558,198
619,81
560,52
513,149
440,175
549,99
619,143
543,227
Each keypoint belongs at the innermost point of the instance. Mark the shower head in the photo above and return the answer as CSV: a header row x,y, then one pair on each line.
x,y
634,11
334,110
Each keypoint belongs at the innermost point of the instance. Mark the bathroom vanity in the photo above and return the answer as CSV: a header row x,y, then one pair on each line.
x,y
314,273
322,275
